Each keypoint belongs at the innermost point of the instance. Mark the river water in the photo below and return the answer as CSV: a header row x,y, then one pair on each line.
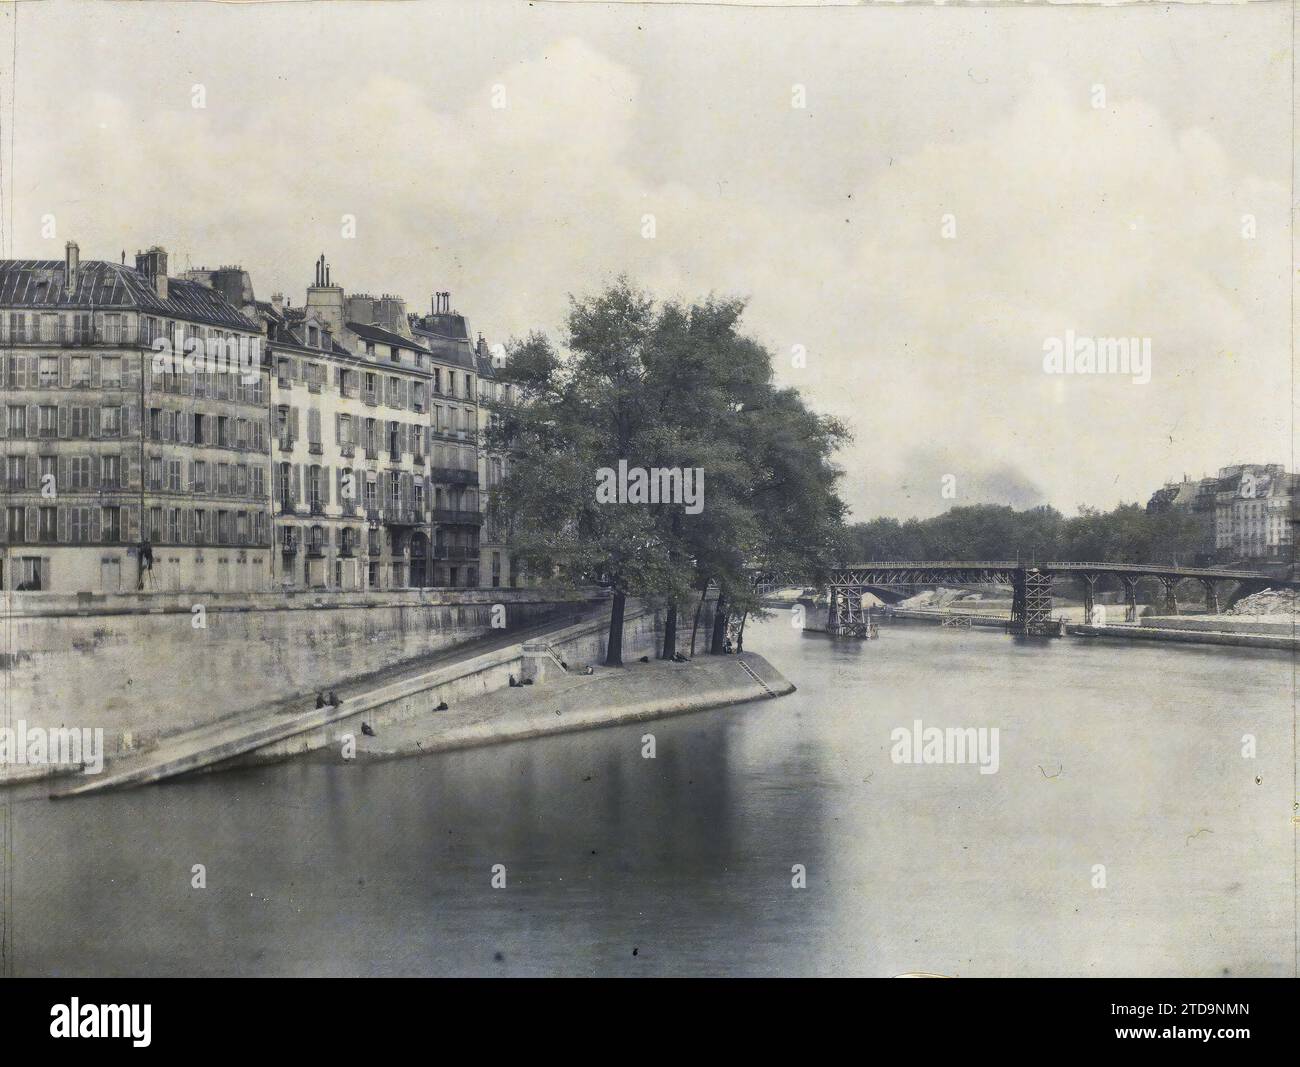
x,y
1115,756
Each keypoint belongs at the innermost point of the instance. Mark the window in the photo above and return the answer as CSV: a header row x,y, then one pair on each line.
x,y
174,475
110,372
49,424
200,476
223,431
110,421
79,471
155,472
283,475
259,482
48,372
111,524
17,326
110,471
81,370
223,478
79,525
48,523
174,525
155,424
15,472
31,574
259,437
17,421
17,531
81,422
200,526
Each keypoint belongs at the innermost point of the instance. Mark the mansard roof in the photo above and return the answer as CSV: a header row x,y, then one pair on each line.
x,y
100,286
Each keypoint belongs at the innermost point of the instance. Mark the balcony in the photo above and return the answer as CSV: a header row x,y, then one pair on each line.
x,y
284,444
315,552
288,506
455,476
317,508
456,517
402,515
316,448
347,451
456,553
289,546
372,454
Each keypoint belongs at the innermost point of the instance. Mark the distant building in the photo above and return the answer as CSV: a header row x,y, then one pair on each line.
x,y
1246,511
121,474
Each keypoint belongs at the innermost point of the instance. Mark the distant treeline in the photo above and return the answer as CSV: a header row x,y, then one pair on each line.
x,y
1128,534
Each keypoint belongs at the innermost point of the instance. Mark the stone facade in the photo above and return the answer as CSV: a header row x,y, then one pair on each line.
x,y
120,475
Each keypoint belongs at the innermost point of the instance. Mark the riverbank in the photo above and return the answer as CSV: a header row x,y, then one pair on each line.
x,y
575,701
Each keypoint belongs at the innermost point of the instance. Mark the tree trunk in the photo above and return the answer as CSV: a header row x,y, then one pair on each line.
x,y
740,634
719,625
670,631
614,650
698,608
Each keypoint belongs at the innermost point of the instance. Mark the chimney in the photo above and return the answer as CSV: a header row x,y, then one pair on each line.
x,y
277,302
325,300
153,265
71,264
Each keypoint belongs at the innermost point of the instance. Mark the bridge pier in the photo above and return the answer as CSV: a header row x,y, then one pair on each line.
x,y
1130,599
1211,596
1171,596
1089,596
1031,602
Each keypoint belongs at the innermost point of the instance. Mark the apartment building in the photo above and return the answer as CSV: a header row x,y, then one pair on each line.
x,y
495,389
453,425
125,469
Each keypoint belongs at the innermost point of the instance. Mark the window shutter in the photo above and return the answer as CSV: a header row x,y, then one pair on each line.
x,y
4,420
325,485
132,422
297,482
96,533
136,475
94,474
132,525
64,482
95,377
124,472
65,371
33,420
293,422
63,420
94,421
275,484
33,524
63,524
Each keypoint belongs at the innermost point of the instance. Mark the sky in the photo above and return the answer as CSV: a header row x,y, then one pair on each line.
x,y
959,186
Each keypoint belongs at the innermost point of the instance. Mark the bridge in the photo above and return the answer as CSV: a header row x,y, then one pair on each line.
x,y
1031,585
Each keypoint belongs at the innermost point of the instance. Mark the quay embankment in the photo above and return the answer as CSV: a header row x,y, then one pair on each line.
x,y
144,668
957,607
576,701
464,697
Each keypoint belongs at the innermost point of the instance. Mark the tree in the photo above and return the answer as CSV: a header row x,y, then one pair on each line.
x,y
674,387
